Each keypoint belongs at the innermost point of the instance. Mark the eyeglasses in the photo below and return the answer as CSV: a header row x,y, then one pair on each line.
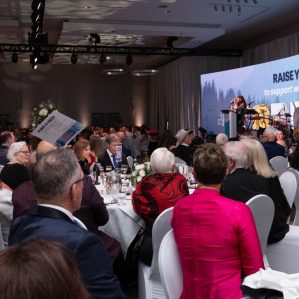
x,y
84,180
24,152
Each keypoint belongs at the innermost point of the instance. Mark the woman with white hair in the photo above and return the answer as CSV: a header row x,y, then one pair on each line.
x,y
15,172
156,193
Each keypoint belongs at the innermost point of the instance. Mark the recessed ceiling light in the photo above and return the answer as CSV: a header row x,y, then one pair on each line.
x,y
145,72
167,11
111,72
87,7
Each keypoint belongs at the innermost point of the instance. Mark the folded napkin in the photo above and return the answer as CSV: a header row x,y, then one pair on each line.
x,y
288,284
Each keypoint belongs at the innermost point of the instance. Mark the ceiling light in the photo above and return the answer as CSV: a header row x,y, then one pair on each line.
x,y
129,59
145,72
112,72
74,58
102,59
223,7
14,57
215,7
95,37
170,40
239,9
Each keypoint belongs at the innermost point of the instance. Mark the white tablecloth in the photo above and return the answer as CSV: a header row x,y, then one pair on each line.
x,y
123,223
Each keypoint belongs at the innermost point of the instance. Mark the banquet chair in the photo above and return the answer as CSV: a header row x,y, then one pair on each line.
x,y
296,200
288,182
284,255
130,161
1,239
279,164
170,267
149,282
262,209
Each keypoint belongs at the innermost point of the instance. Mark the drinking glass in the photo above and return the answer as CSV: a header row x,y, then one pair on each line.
x,y
108,168
124,168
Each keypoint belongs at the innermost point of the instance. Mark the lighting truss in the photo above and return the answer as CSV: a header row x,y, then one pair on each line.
x,y
110,50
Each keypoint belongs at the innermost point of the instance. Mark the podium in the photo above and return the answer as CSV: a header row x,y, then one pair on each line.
x,y
230,123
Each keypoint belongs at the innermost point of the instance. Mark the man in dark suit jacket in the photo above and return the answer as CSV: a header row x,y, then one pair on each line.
x,y
271,147
241,184
108,158
183,149
58,183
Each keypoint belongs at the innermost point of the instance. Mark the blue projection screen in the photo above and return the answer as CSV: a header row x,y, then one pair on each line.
x,y
274,83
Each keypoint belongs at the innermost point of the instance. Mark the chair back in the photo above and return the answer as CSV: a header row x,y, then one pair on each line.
x,y
296,200
170,267
262,209
288,182
279,164
130,161
1,239
160,228
178,160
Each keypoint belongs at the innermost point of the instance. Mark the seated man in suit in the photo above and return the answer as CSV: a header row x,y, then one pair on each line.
x,y
270,145
183,149
58,182
108,158
241,184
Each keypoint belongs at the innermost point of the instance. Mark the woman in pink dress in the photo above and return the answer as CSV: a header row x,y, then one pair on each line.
x,y
216,236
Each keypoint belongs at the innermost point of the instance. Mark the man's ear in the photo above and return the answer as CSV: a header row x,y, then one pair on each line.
x,y
73,192
194,174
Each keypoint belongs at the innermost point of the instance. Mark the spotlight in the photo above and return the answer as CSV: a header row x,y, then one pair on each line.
x,y
14,57
170,40
215,7
239,9
74,58
230,8
102,59
129,59
95,37
223,7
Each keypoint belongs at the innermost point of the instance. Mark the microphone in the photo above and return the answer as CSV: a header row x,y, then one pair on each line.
x,y
250,103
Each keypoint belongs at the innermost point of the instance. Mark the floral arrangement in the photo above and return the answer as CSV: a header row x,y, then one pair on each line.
x,y
140,171
41,112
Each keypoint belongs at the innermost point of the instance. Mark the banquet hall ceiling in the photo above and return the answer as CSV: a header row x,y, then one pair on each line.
x,y
217,24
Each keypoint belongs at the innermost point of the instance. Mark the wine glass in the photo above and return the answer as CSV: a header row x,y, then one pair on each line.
x,y
124,168
108,168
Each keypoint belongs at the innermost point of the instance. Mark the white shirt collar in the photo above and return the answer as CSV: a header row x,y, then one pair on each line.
x,y
66,212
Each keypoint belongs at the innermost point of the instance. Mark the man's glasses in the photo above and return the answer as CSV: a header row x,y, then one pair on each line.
x,y
84,180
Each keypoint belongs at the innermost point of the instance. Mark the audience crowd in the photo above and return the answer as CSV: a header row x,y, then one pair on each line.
x,y
50,206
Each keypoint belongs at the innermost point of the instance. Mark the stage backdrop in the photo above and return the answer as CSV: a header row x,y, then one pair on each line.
x,y
275,84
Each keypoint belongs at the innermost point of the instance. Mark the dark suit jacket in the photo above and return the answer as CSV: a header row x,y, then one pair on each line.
x,y
86,248
105,160
273,149
184,152
242,184
93,212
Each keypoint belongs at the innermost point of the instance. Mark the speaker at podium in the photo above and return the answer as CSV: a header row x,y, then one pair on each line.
x,y
230,123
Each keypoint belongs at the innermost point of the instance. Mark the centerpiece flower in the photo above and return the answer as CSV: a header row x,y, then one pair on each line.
x,y
139,172
41,112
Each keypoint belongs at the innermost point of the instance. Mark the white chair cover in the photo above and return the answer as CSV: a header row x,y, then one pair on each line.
x,y
178,160
262,208
6,211
296,200
130,161
288,182
284,255
1,239
279,164
149,282
170,267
